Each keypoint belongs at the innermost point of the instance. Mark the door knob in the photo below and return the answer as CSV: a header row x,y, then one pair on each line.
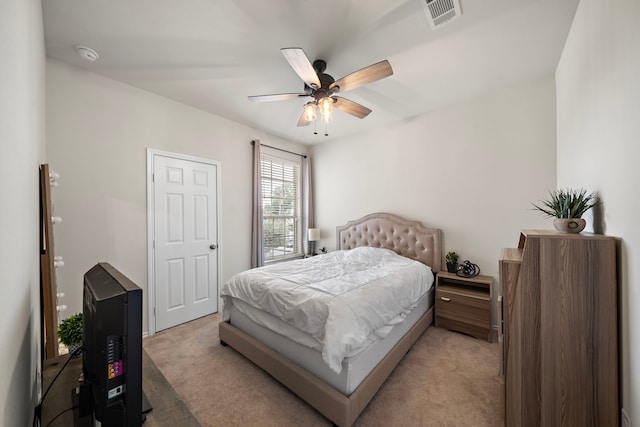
x,y
213,246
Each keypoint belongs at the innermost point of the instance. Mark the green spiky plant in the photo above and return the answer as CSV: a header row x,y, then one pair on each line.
x,y
568,203
70,330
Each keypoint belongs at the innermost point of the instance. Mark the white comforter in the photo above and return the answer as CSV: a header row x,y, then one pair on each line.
x,y
343,299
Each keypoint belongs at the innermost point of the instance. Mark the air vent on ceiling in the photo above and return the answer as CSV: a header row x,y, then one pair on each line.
x,y
439,12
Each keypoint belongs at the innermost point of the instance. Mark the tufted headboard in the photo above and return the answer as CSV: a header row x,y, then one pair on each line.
x,y
384,230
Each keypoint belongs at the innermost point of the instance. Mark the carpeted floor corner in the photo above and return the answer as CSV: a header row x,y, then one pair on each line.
x,y
447,379
168,408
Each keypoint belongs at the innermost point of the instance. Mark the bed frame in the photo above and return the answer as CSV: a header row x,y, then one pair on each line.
x,y
408,238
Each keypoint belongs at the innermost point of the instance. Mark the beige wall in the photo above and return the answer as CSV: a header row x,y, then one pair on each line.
x,y
598,89
21,152
470,169
97,134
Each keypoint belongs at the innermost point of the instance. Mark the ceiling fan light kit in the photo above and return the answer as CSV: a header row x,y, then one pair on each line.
x,y
310,109
326,109
322,87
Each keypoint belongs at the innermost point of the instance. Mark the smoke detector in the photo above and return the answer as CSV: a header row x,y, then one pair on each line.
x,y
441,12
87,53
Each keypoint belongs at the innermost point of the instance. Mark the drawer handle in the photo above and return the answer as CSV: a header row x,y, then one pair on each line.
x,y
445,299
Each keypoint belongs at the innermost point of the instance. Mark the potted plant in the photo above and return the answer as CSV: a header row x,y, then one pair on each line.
x,y
567,207
452,261
70,332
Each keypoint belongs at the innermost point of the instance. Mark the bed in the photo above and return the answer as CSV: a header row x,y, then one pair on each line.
x,y
339,394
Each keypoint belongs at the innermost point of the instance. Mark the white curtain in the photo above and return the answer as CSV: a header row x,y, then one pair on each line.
x,y
257,242
307,203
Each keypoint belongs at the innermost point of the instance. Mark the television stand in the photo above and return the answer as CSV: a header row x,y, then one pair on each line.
x,y
83,417
65,394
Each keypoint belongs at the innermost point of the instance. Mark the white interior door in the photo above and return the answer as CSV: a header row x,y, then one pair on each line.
x,y
185,239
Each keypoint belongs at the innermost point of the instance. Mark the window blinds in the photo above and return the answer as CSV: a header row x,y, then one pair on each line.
x,y
281,206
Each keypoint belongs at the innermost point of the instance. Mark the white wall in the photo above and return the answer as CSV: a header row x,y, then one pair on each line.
x,y
471,169
21,152
97,133
598,90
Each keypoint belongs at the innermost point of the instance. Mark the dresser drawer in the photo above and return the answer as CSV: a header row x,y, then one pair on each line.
x,y
465,310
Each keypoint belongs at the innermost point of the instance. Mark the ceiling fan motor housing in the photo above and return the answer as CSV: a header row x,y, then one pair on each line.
x,y
325,81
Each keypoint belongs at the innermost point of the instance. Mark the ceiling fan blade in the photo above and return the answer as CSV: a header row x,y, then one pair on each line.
x,y
276,97
364,76
350,107
301,65
302,121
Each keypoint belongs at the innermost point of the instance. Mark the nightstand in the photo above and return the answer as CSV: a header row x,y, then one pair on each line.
x,y
463,304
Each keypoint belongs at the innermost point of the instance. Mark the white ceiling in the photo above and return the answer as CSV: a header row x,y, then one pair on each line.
x,y
212,54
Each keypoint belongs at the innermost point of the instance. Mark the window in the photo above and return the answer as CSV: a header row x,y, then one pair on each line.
x,y
281,206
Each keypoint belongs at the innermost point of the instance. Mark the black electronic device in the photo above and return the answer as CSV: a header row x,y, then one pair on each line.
x,y
112,358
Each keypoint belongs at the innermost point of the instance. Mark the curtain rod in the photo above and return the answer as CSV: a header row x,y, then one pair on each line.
x,y
280,149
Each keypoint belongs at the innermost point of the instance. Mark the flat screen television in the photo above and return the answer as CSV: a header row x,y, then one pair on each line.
x,y
112,358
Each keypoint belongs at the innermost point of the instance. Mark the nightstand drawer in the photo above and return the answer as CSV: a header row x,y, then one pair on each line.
x,y
464,310
463,304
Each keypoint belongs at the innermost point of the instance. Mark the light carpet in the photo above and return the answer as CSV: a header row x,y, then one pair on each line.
x,y
447,379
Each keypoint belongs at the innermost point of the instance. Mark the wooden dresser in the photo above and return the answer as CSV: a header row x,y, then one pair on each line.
x,y
559,330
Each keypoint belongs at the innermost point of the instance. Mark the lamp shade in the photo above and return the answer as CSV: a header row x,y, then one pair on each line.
x,y
310,111
326,109
314,234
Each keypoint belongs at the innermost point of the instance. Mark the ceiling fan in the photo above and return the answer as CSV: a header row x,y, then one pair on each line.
x,y
322,87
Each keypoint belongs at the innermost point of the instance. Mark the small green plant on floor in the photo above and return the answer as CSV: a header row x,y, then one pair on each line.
x,y
70,330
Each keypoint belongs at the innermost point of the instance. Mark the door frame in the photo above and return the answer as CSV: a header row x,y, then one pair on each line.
x,y
151,281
